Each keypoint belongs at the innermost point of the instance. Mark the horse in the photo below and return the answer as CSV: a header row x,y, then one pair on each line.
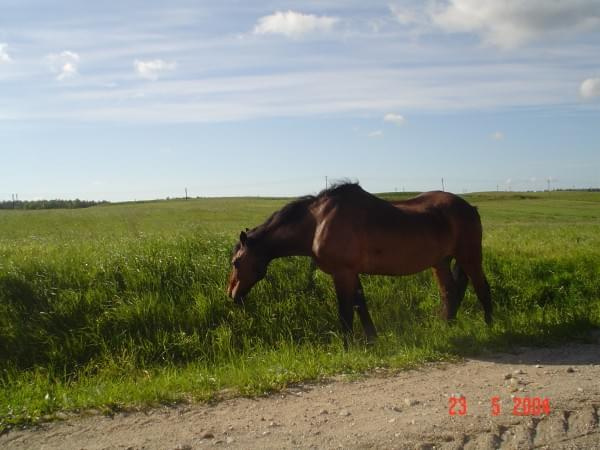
x,y
348,231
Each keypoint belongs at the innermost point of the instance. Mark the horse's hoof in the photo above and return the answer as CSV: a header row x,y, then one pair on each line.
x,y
451,321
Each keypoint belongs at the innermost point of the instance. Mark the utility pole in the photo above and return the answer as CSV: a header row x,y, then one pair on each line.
x,y
326,183
443,187
186,194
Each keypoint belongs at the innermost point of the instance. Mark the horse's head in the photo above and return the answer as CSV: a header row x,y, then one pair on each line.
x,y
249,266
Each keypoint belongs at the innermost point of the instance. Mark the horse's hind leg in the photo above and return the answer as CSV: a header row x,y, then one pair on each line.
x,y
460,281
447,286
482,289
365,318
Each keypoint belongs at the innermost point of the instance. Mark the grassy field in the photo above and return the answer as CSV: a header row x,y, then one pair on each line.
x,y
124,306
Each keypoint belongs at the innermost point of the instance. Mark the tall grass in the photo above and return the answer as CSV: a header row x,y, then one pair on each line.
x,y
125,306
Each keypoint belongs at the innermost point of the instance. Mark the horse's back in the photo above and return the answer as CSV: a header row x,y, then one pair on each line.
x,y
462,220
355,228
456,210
436,200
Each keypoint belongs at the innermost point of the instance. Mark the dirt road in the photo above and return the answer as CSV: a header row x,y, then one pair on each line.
x,y
410,409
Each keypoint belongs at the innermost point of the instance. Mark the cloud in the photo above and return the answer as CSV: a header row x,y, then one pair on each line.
x,y
294,24
64,64
406,15
497,135
69,69
4,56
511,23
375,134
150,70
590,88
395,119
318,92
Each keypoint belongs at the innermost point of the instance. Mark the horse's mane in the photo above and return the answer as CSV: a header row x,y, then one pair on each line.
x,y
290,213
341,189
296,209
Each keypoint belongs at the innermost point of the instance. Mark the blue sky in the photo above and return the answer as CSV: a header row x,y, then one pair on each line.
x,y
140,99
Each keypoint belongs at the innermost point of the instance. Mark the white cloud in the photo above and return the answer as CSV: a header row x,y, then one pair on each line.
x,y
376,25
150,70
294,24
64,64
406,15
69,69
312,93
497,135
4,56
395,119
375,134
590,88
510,23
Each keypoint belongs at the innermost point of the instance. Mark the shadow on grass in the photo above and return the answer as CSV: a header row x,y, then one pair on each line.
x,y
570,353
531,346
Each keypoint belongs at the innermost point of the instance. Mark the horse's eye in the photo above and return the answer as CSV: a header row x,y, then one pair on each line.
x,y
236,263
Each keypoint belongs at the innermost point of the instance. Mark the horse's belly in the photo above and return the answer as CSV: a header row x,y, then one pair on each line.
x,y
402,259
384,267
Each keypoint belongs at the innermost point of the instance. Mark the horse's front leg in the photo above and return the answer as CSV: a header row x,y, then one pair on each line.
x,y
312,270
345,289
365,318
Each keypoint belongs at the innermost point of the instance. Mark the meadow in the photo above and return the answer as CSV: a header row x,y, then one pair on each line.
x,y
123,306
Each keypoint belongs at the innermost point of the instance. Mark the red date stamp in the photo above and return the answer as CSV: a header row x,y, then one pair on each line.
x,y
530,406
458,406
522,406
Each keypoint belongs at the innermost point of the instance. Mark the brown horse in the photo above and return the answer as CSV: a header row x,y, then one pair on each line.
x,y
348,231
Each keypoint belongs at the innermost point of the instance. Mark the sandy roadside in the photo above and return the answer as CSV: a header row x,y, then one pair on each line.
x,y
409,409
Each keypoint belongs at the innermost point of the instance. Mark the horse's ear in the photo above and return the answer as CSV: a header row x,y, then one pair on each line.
x,y
243,237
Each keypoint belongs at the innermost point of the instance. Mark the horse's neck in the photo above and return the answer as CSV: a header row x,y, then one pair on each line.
x,y
290,239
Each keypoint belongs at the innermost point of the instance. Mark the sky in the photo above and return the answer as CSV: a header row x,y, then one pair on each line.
x,y
136,100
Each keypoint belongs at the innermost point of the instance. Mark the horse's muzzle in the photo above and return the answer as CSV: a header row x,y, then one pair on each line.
x,y
235,294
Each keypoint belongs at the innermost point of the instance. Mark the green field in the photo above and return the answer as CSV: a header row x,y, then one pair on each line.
x,y
124,306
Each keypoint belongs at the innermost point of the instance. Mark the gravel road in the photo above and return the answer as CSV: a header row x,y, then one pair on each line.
x,y
536,398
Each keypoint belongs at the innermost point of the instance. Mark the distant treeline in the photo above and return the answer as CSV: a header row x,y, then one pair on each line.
x,y
580,190
49,204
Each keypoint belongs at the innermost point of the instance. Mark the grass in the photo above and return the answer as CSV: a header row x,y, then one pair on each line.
x,y
124,306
